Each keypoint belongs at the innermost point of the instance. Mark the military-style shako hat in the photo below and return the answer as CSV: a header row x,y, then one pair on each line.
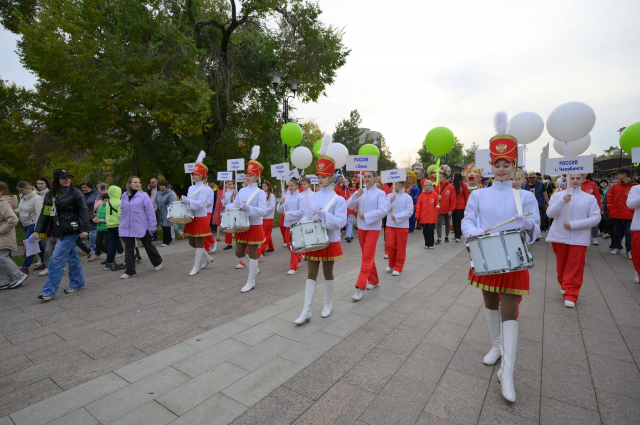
x,y
503,145
200,168
254,166
326,164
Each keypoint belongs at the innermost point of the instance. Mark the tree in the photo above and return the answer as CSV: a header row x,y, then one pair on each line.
x,y
385,162
470,154
348,132
611,152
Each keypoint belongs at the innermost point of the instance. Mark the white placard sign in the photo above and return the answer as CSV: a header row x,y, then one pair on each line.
x,y
235,164
314,179
188,168
239,177
635,155
293,173
280,171
569,165
483,160
362,163
225,176
392,176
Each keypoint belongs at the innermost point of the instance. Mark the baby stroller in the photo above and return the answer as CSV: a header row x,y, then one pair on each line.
x,y
137,258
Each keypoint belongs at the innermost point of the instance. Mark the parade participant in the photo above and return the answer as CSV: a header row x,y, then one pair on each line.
x,y
209,244
633,202
487,208
432,172
305,184
197,199
328,206
538,190
267,221
254,201
216,219
418,169
294,204
345,189
412,190
473,176
570,236
447,204
592,189
370,214
10,275
400,210
461,193
427,213
618,211
229,191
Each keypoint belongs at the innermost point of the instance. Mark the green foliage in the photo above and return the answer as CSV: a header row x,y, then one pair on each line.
x,y
384,162
611,152
348,132
457,155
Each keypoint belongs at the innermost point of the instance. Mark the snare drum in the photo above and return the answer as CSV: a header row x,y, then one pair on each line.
x,y
499,252
308,236
234,220
179,212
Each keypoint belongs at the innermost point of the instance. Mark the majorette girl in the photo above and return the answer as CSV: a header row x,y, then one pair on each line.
x,y
400,206
331,208
487,208
293,203
252,199
197,199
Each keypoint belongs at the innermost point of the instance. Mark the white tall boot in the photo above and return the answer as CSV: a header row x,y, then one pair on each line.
x,y
206,259
510,345
196,266
308,299
493,321
253,272
328,295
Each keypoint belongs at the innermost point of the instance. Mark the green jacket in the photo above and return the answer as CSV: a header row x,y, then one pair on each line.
x,y
102,214
113,207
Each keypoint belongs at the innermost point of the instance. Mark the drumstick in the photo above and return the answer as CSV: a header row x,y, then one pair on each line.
x,y
511,220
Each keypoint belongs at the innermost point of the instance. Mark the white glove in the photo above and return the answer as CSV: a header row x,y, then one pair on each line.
x,y
477,232
321,213
524,222
185,200
245,206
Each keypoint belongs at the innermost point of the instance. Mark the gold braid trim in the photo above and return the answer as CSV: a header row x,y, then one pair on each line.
x,y
309,257
249,243
204,235
487,288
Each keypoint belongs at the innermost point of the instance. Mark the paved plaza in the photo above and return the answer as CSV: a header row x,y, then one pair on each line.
x,y
166,348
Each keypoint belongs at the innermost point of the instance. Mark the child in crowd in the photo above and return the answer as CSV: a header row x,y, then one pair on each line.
x,y
427,214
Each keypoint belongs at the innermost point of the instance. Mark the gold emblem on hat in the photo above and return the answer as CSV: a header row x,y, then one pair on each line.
x,y
501,148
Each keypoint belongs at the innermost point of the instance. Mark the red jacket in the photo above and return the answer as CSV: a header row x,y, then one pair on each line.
x,y
592,189
617,201
387,188
426,211
462,197
447,197
346,194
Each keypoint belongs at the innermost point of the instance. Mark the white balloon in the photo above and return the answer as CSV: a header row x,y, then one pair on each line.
x,y
339,153
576,147
571,121
301,157
526,127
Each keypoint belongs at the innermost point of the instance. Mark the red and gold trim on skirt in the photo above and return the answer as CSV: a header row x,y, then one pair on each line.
x,y
331,253
255,235
198,228
515,283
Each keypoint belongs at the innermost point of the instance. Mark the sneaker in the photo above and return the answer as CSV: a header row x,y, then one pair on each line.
x,y
457,240
431,247
395,273
44,272
107,266
358,295
606,236
240,265
389,270
270,250
95,258
214,247
386,257
5,286
595,241
446,239
629,255
18,282
120,255
438,242
39,267
370,286
163,245
227,247
636,279
126,276
562,292
158,267
45,297
24,271
348,240
70,290
569,304
614,251
290,272
284,245
426,247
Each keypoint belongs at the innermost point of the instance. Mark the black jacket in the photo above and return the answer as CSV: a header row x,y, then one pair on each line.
x,y
70,205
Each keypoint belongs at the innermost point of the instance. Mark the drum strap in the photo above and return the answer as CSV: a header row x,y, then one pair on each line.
x,y
197,190
333,198
516,197
253,195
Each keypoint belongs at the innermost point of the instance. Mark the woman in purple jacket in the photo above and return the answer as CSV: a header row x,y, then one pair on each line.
x,y
137,220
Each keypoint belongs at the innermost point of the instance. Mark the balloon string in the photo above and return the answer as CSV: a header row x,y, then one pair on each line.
x,y
438,177
566,149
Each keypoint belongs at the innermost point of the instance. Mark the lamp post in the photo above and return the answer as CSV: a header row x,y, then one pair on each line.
x,y
620,160
275,75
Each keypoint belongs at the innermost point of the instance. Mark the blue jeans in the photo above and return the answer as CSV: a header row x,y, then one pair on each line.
x,y
92,239
412,222
65,251
622,228
28,230
114,237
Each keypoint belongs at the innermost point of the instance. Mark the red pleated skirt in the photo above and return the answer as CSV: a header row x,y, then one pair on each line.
x,y
255,235
198,228
516,283
331,253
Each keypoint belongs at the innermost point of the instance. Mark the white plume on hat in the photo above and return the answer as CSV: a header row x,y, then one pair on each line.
x,y
255,151
201,156
501,122
326,141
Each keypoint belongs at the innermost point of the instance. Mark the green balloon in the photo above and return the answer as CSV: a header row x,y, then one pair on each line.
x,y
630,138
369,149
439,141
316,148
291,134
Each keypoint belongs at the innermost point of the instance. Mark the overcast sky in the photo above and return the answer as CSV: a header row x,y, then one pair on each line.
x,y
420,64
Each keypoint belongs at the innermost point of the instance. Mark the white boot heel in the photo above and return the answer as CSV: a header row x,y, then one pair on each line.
x,y
328,296
510,346
308,299
196,267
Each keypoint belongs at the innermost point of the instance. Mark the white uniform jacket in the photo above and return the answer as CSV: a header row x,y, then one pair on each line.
x,y
495,204
336,217
305,196
294,207
374,207
633,201
584,213
271,206
257,206
404,210
198,202
209,205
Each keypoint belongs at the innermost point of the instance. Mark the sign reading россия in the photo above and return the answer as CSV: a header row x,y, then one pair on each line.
x,y
569,165
362,163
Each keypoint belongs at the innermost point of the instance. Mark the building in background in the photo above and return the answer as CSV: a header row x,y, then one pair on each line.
x,y
373,135
543,160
